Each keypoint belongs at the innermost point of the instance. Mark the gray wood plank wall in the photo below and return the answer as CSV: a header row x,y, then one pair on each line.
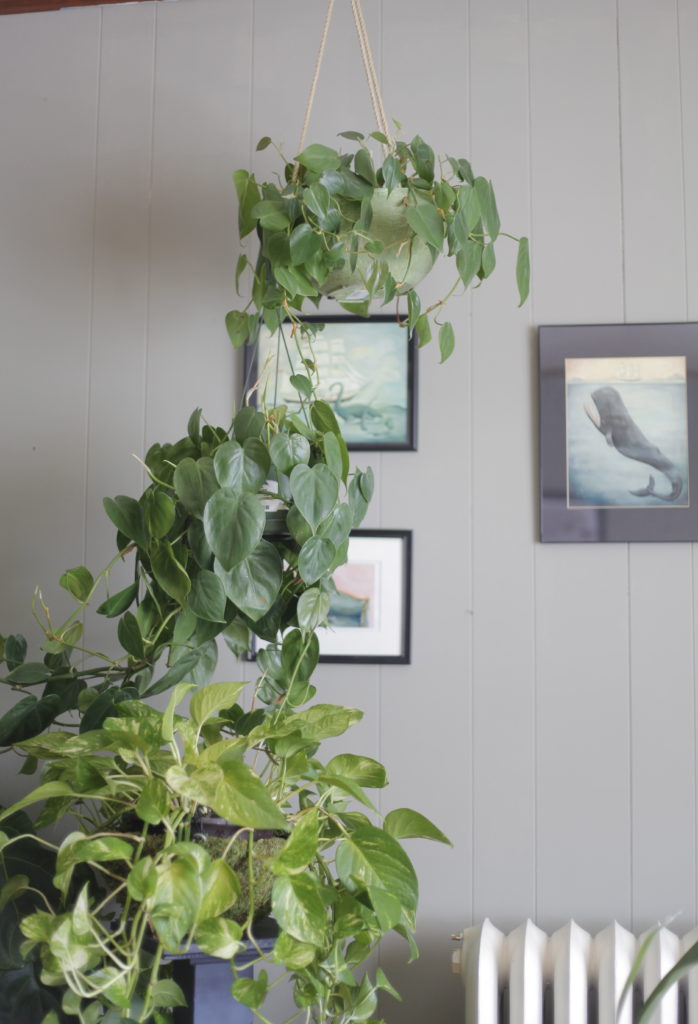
x,y
548,719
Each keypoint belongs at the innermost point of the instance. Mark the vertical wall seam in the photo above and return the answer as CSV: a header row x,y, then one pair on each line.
x,y
92,280
629,682
252,71
471,618
534,560
621,191
149,231
683,160
692,563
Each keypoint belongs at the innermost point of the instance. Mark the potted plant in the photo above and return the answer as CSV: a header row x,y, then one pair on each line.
x,y
136,878
337,224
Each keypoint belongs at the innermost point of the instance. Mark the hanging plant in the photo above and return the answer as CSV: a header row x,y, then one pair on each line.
x,y
338,225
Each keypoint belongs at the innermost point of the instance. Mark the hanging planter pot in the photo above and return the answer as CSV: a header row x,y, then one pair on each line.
x,y
365,234
408,257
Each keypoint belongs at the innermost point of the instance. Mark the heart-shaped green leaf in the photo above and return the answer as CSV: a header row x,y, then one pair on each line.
x,y
233,524
195,482
207,597
242,467
288,450
426,221
315,491
315,558
253,583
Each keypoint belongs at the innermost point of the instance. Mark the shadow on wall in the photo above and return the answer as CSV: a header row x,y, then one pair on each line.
x,y
429,988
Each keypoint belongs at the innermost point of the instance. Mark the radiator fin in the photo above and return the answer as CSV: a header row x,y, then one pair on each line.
x,y
526,977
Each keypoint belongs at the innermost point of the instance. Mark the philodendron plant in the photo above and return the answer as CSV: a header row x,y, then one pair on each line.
x,y
336,224
136,877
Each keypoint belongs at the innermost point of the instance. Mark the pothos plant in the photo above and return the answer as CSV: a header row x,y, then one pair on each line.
x,y
338,224
236,536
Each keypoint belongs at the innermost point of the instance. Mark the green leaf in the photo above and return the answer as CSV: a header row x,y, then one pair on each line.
x,y
302,384
315,558
468,261
391,173
233,524
78,582
363,165
233,791
153,802
253,583
468,207
312,609
489,260
29,674
167,725
184,667
301,847
272,214
423,329
249,422
237,325
447,341
294,955
169,572
288,450
159,513
263,143
219,936
315,492
404,823
27,718
423,158
167,992
305,243
213,698
129,634
324,419
195,482
248,196
426,221
251,991
127,516
15,650
318,158
322,721
299,907
119,602
372,858
242,467
294,281
363,770
523,270
333,454
488,206
221,889
207,597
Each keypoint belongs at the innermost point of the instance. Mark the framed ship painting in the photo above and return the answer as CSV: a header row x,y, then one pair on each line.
x,y
619,432
364,368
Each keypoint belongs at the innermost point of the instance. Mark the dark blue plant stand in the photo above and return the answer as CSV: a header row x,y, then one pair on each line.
x,y
206,980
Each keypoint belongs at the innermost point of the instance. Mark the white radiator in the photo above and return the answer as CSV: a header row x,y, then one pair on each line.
x,y
570,977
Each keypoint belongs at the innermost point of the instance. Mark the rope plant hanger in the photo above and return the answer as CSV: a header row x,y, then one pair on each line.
x,y
340,226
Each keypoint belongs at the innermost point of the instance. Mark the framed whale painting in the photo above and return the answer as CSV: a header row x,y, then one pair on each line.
x,y
365,368
619,432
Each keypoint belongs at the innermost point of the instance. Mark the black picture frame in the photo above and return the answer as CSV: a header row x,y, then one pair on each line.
x,y
369,377
386,559
612,397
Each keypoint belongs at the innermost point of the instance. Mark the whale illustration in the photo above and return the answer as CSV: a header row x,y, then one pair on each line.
x,y
608,412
